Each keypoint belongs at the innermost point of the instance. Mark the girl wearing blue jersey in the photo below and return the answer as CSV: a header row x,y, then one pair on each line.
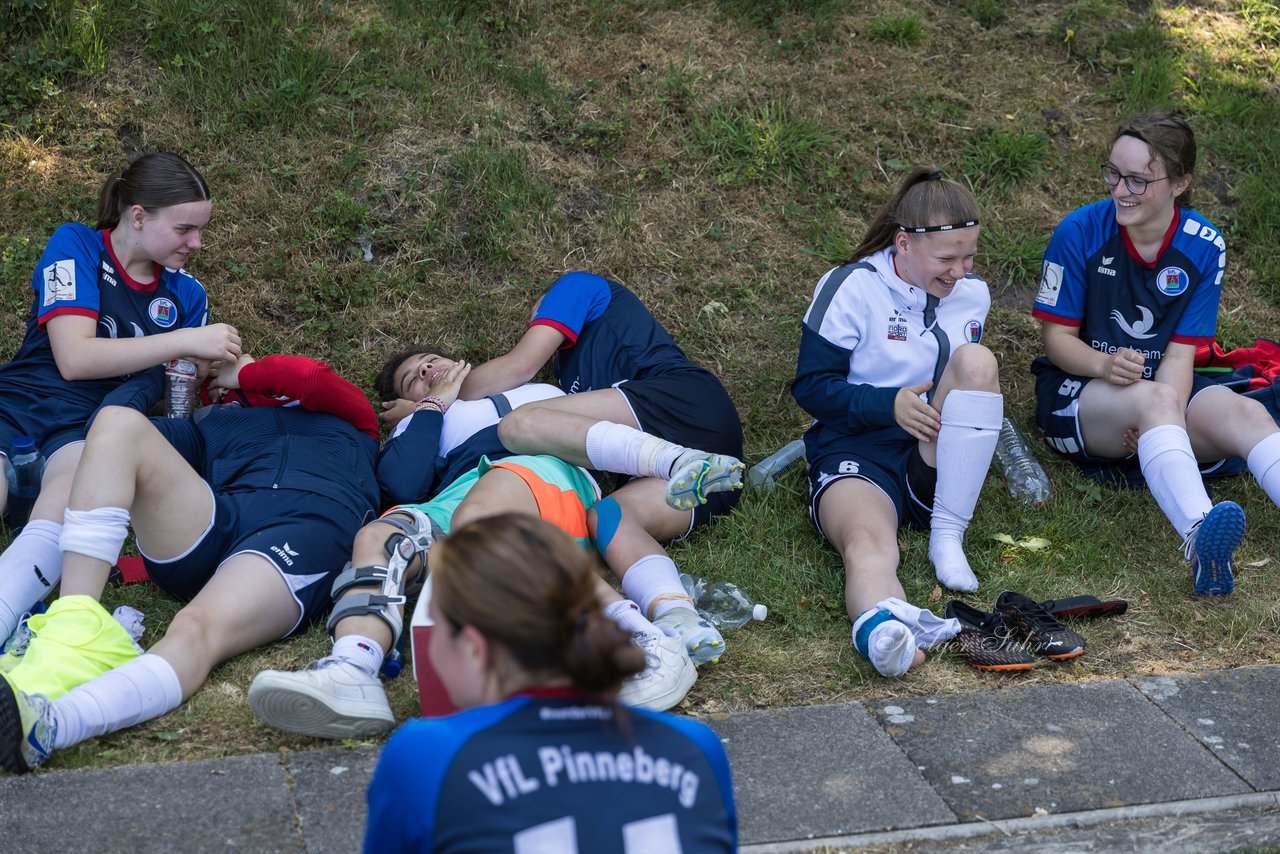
x,y
907,408
109,301
543,759
1130,287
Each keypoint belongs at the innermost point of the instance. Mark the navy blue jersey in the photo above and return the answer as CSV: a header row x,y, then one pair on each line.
x,y
79,274
610,336
544,773
1094,279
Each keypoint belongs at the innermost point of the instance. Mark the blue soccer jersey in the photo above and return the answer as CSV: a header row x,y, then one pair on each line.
x,y
1094,279
79,274
552,773
610,336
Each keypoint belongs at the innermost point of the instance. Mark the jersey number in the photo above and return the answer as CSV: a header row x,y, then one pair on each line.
x,y
1069,388
638,837
848,467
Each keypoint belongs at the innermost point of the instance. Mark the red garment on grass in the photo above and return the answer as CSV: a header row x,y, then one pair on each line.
x,y
1263,357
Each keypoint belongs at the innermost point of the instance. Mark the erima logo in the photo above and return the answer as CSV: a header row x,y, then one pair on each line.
x,y
1106,261
1139,328
286,554
1106,264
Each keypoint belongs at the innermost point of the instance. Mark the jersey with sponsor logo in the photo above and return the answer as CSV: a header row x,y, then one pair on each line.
x,y
1093,278
549,771
869,333
610,336
79,274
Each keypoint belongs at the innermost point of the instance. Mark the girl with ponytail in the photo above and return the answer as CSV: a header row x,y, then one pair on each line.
x,y
907,408
521,642
109,301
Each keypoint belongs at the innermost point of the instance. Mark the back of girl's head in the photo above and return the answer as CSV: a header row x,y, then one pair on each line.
x,y
384,384
528,587
923,198
1170,139
153,181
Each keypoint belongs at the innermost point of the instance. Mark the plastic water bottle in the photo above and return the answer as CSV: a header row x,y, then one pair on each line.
x,y
1023,475
765,473
22,469
722,603
180,383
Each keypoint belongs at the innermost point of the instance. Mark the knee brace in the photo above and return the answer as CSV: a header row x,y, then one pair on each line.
x,y
417,532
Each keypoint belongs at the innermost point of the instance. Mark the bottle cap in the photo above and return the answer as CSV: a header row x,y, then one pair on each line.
x,y
22,445
759,612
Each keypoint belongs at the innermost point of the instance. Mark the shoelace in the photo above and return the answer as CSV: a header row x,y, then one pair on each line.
x,y
1189,541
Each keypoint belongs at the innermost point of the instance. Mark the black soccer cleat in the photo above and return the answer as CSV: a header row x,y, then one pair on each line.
x,y
985,642
1043,634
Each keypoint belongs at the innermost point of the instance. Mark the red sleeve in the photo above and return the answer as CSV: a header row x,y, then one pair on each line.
x,y
277,380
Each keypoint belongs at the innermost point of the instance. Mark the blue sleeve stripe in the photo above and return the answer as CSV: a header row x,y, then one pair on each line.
x,y
827,293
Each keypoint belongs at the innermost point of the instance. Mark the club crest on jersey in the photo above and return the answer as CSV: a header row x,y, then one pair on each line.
x,y
1172,281
60,282
973,331
897,327
163,312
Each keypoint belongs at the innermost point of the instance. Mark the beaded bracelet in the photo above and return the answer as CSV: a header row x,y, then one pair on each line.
x,y
436,402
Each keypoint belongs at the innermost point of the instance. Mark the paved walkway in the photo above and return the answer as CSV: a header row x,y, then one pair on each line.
x,y
1183,763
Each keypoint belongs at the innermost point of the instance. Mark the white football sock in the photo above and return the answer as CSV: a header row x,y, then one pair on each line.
x,y
929,629
365,653
1262,463
29,569
628,616
966,441
98,533
888,644
652,577
626,450
136,691
1172,475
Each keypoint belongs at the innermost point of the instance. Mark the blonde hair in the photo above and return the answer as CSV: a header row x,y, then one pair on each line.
x,y
924,198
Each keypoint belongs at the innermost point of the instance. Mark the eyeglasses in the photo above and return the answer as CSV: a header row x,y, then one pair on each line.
x,y
1135,184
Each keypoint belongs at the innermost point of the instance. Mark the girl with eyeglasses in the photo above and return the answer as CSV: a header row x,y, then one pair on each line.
x,y
1130,286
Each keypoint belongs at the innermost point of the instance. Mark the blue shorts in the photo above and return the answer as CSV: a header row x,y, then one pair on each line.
x,y
1058,416
307,537
690,408
881,457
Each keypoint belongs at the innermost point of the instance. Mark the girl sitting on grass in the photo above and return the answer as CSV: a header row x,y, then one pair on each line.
x,y
907,408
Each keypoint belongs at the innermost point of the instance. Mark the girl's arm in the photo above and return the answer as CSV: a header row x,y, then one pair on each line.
x,y
1176,369
514,369
81,355
1063,346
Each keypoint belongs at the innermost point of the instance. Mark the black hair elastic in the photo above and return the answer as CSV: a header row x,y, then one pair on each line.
x,y
933,176
926,229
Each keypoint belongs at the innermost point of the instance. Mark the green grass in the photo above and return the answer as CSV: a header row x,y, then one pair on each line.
x,y
717,158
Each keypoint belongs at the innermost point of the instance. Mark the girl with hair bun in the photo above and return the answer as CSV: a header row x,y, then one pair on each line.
x,y
1129,289
907,408
543,756
109,301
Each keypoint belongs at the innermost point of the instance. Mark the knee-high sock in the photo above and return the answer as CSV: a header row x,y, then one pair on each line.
x,y
1263,461
966,441
626,450
29,569
629,617
1173,477
136,691
655,578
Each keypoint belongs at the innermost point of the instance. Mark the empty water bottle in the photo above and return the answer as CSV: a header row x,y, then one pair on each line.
x,y
1023,475
23,469
722,603
180,383
765,473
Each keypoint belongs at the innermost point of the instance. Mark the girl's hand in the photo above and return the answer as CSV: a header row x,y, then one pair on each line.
x,y
393,411
218,342
1124,367
914,415
227,375
448,384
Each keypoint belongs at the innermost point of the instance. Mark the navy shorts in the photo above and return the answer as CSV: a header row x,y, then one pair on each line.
x,y
1058,416
882,457
307,537
18,417
690,408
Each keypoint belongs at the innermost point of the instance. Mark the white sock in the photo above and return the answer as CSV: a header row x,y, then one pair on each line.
x,y
136,691
1263,461
365,653
626,450
966,441
29,569
1170,468
928,628
98,533
628,616
889,646
651,577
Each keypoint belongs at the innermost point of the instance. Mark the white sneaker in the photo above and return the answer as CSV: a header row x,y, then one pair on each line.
x,y
702,641
690,484
329,698
667,677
